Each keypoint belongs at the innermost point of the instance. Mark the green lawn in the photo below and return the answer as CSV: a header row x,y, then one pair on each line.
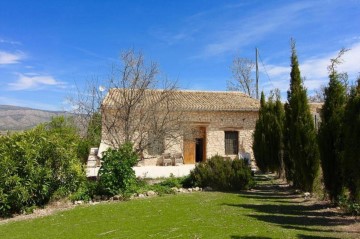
x,y
257,214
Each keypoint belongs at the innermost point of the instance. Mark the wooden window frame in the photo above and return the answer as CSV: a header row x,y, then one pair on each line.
x,y
231,142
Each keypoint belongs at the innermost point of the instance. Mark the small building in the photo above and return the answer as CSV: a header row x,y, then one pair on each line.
x,y
221,123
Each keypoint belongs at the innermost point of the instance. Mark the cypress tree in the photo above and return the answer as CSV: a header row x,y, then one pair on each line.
x,y
301,135
331,134
352,139
267,144
259,142
288,162
278,134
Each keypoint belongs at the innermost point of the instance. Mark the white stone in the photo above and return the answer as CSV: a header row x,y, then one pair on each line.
x,y
116,197
150,193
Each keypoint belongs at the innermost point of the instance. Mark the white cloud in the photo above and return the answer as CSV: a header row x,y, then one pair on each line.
x,y
33,81
10,58
6,41
315,70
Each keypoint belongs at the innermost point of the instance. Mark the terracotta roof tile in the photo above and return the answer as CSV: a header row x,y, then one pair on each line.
x,y
192,100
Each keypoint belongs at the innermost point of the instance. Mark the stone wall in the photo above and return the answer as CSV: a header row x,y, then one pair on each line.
x,y
216,123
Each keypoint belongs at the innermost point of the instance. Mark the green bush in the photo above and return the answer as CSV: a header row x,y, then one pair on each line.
x,y
37,165
222,174
172,182
86,191
348,205
116,173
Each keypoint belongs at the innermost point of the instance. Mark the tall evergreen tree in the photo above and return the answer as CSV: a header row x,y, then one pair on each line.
x,y
288,162
352,139
267,144
278,134
302,145
331,134
259,142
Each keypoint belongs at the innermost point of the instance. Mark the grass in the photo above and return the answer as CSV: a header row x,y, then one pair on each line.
x,y
259,214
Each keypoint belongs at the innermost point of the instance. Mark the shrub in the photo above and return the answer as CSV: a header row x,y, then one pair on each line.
x,y
37,165
86,191
116,173
348,205
222,174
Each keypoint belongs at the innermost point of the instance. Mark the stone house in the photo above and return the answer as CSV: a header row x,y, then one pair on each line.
x,y
223,123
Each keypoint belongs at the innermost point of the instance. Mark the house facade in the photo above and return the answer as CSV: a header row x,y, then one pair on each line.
x,y
221,123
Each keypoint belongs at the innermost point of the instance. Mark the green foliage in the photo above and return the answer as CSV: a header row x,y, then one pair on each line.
x,y
349,205
116,173
302,154
36,164
94,130
86,191
92,137
352,139
164,187
331,136
172,182
268,135
222,174
259,142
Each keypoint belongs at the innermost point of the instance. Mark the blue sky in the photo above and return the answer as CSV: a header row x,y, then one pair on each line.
x,y
48,47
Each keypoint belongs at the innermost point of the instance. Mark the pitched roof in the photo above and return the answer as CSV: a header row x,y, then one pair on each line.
x,y
189,100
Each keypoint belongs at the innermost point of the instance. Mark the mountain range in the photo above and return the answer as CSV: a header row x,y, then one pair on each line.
x,y
15,118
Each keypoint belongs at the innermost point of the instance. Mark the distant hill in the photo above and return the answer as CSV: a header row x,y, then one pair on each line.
x,y
14,118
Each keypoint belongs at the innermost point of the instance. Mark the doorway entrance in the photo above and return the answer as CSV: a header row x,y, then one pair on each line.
x,y
199,150
195,147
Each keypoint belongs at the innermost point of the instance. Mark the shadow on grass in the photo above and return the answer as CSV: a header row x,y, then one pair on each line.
x,y
314,237
276,206
249,237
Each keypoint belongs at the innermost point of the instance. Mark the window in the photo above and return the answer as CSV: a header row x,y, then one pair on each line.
x,y
231,142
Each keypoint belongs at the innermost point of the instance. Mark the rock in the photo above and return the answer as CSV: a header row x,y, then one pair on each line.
x,y
97,198
190,190
79,202
208,189
196,189
104,197
175,189
140,195
150,193
307,195
117,197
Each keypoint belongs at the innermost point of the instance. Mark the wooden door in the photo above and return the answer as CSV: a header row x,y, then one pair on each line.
x,y
189,152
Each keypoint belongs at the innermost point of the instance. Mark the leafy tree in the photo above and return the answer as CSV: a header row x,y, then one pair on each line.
x,y
331,133
116,173
352,139
302,148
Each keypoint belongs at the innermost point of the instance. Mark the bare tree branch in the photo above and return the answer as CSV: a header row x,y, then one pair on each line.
x,y
135,111
242,81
